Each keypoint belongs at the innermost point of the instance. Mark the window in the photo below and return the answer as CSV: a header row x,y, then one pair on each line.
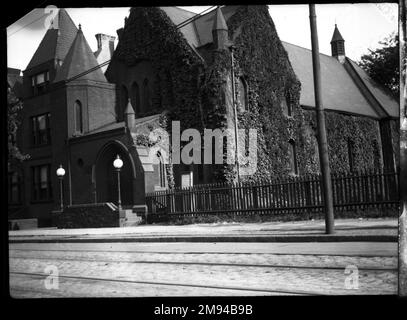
x,y
242,94
376,154
293,158
186,179
351,159
341,48
146,96
14,188
161,170
40,128
135,95
78,117
41,183
39,82
287,105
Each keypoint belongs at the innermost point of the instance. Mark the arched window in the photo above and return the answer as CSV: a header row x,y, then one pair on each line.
x,y
78,117
242,94
161,170
293,157
351,158
287,105
124,99
135,97
376,154
146,96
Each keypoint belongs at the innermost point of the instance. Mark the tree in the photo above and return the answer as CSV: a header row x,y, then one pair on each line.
x,y
14,105
382,64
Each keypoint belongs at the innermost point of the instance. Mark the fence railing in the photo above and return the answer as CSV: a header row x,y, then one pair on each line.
x,y
292,194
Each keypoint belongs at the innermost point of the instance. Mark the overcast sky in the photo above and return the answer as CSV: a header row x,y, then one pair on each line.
x,y
361,25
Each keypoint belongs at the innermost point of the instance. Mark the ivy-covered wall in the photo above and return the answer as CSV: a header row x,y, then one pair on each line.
x,y
175,65
197,92
262,62
360,133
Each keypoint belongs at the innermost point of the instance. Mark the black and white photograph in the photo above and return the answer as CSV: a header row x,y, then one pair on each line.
x,y
207,151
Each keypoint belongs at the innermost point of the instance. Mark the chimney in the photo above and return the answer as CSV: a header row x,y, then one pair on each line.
x,y
105,41
105,48
129,117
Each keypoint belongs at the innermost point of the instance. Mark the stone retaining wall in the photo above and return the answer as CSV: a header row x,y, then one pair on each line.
x,y
98,215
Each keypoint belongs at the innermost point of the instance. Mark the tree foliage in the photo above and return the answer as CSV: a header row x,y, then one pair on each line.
x,y
382,64
14,105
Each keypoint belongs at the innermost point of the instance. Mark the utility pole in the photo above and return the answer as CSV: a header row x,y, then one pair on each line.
x,y
403,149
232,62
322,139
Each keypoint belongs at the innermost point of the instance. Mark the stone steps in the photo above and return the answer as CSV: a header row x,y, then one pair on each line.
x,y
133,216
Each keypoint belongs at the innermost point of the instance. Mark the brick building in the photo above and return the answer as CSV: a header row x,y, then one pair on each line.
x,y
81,116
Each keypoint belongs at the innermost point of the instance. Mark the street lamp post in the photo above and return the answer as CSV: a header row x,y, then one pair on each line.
x,y
60,174
118,164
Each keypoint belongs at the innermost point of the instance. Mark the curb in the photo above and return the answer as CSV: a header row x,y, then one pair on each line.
x,y
311,238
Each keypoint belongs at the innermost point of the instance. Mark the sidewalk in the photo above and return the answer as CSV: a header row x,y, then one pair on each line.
x,y
355,230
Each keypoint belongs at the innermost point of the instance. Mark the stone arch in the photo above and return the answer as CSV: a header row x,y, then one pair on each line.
x,y
106,176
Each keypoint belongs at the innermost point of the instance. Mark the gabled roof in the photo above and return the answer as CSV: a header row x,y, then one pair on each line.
x,y
198,32
381,94
205,23
79,59
178,16
57,40
339,90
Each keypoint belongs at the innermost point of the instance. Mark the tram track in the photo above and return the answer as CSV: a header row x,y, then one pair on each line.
x,y
276,266
160,283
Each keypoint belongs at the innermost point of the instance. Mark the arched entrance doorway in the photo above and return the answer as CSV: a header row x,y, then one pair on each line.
x,y
106,175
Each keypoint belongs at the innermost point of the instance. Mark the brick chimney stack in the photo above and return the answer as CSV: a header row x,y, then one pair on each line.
x,y
105,48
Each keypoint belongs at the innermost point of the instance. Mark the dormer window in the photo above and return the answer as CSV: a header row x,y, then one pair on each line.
x,y
39,82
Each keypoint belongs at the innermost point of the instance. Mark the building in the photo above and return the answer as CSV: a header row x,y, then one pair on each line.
x,y
164,70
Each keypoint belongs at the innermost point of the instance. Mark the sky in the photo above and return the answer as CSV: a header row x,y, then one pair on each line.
x,y
362,26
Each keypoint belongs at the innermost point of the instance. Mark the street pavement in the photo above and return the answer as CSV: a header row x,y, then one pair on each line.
x,y
139,269
224,259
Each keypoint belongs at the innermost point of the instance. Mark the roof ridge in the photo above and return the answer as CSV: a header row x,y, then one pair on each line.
x,y
362,82
186,10
320,53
